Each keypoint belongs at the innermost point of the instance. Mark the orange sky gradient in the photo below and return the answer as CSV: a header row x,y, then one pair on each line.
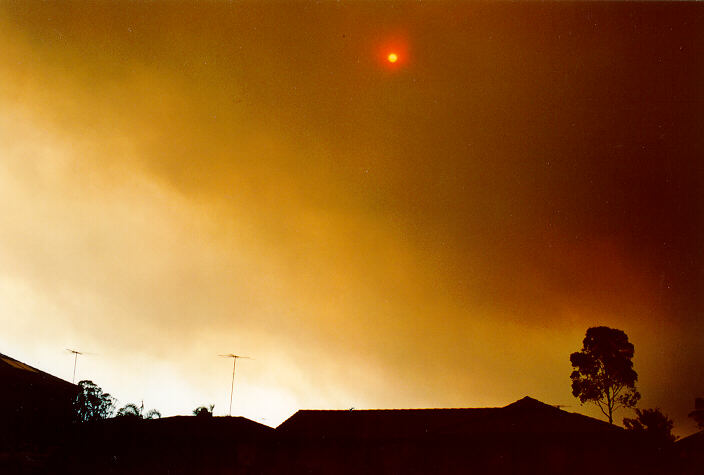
x,y
179,181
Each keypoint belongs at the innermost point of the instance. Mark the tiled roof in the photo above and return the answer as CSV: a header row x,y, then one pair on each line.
x,y
17,374
524,416
692,442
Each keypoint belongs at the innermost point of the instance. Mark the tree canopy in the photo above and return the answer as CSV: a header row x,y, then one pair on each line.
x,y
92,403
604,373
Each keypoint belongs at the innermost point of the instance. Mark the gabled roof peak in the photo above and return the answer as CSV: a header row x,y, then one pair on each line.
x,y
530,403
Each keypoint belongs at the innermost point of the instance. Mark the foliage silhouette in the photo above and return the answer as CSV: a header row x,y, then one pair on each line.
x,y
91,403
655,426
604,371
132,410
203,411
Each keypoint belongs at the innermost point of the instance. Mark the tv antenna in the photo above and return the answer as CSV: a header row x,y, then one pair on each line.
x,y
234,362
75,360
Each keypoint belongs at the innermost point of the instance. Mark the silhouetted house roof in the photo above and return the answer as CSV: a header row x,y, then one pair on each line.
x,y
524,416
527,436
180,444
31,401
22,377
690,452
692,442
187,429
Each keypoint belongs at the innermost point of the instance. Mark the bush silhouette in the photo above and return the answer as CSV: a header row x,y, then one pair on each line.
x,y
655,426
203,411
132,410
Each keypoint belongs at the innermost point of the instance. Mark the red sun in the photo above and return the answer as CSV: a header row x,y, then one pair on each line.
x,y
392,53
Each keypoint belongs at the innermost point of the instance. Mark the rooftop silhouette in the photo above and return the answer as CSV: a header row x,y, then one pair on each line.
x,y
526,436
525,415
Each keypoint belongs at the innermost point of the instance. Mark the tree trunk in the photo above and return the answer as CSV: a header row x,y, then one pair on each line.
x,y
610,403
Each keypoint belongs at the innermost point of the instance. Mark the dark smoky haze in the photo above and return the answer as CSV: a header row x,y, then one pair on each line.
x,y
180,180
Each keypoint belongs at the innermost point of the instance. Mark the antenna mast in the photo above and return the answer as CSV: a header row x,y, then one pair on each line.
x,y
75,360
232,385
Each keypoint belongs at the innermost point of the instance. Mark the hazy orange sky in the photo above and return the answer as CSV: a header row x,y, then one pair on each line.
x,y
178,181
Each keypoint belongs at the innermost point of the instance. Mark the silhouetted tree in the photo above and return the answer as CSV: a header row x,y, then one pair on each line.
x,y
652,424
604,371
203,411
698,413
92,403
132,410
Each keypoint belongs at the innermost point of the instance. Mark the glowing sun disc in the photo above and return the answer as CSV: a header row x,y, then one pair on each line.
x,y
392,57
